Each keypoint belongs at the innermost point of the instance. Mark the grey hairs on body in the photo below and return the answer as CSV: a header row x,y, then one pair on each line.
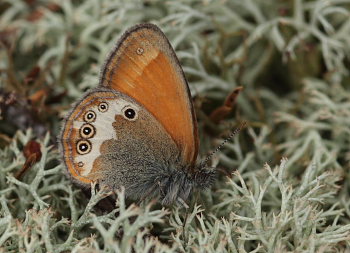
x,y
172,185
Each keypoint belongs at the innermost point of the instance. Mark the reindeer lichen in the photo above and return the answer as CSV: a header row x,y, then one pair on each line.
x,y
283,183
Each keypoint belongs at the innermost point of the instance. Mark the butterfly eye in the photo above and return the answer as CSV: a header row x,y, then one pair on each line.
x,y
103,107
83,147
90,116
129,114
87,131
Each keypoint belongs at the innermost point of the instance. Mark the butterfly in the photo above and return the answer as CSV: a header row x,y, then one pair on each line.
x,y
137,128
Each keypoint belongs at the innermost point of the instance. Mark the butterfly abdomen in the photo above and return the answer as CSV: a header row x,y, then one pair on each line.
x,y
177,185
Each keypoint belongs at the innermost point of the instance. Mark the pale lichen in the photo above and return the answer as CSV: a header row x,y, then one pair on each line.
x,y
292,58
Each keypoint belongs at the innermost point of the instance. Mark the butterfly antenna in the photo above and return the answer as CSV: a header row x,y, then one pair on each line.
x,y
236,131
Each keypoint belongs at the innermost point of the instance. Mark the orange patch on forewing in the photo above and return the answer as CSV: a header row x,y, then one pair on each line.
x,y
169,105
145,68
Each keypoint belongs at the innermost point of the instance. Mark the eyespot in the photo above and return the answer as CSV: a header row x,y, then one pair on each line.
x,y
103,107
83,147
139,50
90,116
129,113
87,131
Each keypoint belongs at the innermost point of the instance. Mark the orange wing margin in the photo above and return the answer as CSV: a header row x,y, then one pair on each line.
x,y
144,66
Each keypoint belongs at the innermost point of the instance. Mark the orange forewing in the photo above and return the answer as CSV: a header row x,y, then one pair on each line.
x,y
144,66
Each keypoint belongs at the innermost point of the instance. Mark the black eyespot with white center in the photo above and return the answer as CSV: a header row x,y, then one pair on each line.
x,y
103,107
83,147
90,116
130,113
87,131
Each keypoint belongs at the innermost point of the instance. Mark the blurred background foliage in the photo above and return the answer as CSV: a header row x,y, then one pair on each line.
x,y
290,56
